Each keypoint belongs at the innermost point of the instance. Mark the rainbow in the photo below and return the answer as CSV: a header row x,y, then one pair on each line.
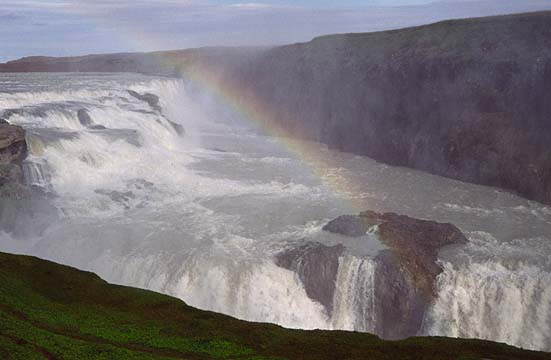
x,y
327,169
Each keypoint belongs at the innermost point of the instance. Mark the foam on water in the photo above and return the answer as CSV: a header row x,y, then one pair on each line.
x,y
354,298
489,300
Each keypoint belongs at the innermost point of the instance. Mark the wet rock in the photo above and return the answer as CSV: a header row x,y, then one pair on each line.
x,y
415,243
404,273
123,198
350,225
178,128
317,266
84,118
10,173
400,306
24,210
131,136
151,99
13,150
97,127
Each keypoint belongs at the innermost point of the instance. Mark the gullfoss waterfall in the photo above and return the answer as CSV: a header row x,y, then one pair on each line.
x,y
152,185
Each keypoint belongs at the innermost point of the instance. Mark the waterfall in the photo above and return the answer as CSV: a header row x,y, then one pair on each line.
x,y
142,204
354,300
490,300
36,173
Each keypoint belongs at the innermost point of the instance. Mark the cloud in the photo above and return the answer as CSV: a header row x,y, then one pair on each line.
x,y
35,4
10,17
93,26
251,6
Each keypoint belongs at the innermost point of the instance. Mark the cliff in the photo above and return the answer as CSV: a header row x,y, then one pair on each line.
x,y
405,272
467,99
50,311
13,150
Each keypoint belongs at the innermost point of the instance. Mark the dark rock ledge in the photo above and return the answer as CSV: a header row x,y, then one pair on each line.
x,y
153,101
25,211
13,150
415,243
404,275
317,266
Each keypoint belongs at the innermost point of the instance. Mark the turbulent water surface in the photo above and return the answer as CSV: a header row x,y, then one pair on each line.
x,y
201,215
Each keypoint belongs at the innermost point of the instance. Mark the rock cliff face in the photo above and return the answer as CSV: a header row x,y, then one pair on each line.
x,y
467,99
407,271
19,203
316,266
404,273
413,242
13,150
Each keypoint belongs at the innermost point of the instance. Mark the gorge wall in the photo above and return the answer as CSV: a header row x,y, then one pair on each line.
x,y
467,99
13,150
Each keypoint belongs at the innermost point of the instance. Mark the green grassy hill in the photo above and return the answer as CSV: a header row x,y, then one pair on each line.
x,y
57,312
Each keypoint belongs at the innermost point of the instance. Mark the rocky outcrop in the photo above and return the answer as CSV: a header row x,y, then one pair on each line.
x,y
153,101
123,198
13,150
24,210
414,243
84,118
407,271
404,275
316,265
350,225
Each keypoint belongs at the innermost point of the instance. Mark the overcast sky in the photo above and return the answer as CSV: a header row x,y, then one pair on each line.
x,y
74,27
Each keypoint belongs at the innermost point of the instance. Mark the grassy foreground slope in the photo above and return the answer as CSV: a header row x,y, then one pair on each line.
x,y
57,312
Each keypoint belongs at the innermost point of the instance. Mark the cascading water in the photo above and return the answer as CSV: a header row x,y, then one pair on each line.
x,y
201,216
354,301
501,293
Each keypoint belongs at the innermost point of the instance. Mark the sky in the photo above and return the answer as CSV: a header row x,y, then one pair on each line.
x,y
77,27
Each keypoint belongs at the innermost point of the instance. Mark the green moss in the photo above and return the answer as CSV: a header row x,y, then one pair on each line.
x,y
53,311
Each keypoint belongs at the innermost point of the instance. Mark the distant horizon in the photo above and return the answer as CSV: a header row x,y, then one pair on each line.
x,y
37,28
257,46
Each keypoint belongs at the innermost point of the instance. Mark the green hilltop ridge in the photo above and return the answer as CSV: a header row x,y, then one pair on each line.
x,y
53,311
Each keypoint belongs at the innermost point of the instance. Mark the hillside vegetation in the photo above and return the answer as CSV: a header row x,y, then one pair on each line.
x,y
50,311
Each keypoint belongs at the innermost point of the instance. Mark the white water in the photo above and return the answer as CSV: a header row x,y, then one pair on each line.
x,y
500,294
354,300
143,206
